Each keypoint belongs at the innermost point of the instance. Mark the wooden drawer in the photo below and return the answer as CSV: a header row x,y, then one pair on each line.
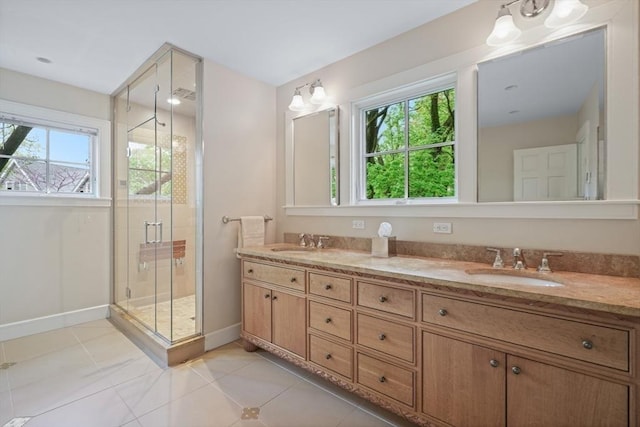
x,y
387,299
392,381
338,288
388,337
283,276
335,357
329,319
608,346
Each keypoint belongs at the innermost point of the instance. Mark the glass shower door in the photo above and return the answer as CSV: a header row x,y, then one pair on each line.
x,y
157,204
149,220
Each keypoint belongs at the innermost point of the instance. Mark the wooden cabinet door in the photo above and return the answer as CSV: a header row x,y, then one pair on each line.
x,y
463,384
289,322
543,395
256,311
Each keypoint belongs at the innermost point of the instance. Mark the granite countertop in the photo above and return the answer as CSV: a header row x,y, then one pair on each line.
x,y
618,295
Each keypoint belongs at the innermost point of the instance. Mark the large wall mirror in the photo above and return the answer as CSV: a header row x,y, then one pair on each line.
x,y
542,122
315,151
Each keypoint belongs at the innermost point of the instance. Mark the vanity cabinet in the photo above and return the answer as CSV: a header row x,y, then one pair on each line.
x,y
500,388
469,385
444,355
272,312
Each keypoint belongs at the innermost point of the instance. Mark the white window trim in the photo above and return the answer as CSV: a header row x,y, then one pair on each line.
x,y
430,85
101,160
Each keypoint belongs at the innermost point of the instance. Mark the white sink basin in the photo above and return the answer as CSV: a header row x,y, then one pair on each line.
x,y
506,277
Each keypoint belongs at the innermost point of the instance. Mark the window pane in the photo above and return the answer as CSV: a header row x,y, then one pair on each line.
x,y
69,178
142,182
432,172
69,147
143,156
15,143
165,159
384,128
23,175
385,176
432,118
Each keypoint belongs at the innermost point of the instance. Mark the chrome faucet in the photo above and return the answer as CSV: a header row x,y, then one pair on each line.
x,y
518,260
544,262
322,242
309,240
497,263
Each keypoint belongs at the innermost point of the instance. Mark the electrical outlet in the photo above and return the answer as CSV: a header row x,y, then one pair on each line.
x,y
357,223
442,227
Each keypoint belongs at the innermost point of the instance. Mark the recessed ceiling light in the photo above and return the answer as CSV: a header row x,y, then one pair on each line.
x,y
173,101
511,87
43,60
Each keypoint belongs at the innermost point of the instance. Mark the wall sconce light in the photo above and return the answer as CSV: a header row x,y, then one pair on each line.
x,y
317,92
564,12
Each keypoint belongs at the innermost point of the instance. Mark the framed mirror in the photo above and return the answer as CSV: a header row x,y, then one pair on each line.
x,y
315,154
542,122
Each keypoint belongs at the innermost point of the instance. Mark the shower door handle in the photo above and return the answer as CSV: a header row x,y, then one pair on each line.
x,y
146,232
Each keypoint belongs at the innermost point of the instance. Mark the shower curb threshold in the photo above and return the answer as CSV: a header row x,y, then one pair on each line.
x,y
162,353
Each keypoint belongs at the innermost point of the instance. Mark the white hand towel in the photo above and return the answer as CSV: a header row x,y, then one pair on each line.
x,y
251,231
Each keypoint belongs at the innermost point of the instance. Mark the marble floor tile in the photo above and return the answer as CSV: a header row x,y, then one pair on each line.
x,y
256,384
149,392
305,405
226,359
204,407
20,349
103,409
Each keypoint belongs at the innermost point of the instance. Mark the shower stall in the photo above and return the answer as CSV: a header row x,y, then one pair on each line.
x,y
157,198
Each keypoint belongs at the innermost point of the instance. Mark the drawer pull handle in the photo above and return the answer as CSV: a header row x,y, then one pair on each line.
x,y
382,298
328,356
267,296
516,370
293,280
494,363
250,271
327,287
327,320
382,379
382,337
275,297
587,344
443,312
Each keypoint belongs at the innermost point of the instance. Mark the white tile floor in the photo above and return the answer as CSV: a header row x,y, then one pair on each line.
x,y
91,375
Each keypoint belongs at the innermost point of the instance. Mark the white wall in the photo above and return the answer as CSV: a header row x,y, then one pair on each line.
x,y
239,179
426,51
54,259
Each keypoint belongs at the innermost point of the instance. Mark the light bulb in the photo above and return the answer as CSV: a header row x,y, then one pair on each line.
x,y
504,30
297,103
565,12
318,95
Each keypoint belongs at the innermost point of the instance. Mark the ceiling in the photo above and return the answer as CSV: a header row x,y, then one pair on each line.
x,y
98,44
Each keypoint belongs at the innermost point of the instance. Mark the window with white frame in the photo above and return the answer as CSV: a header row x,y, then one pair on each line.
x,y
408,144
45,152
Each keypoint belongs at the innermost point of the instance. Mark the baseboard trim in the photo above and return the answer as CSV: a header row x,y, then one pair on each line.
x,y
221,337
23,328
